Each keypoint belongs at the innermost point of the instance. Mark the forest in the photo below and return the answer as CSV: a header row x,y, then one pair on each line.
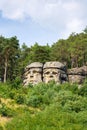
x,y
13,58
48,106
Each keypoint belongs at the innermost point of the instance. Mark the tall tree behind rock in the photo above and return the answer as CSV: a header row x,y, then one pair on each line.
x,y
73,50
40,53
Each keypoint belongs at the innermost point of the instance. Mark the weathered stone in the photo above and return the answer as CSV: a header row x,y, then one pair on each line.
x,y
34,65
50,74
33,73
54,64
76,79
54,71
77,75
78,71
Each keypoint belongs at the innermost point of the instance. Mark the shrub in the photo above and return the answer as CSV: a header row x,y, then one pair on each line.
x,y
12,94
20,98
4,89
5,111
83,90
1,128
34,101
16,83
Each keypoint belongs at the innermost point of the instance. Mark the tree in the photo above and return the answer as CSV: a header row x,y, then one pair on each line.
x,y
9,54
85,30
39,53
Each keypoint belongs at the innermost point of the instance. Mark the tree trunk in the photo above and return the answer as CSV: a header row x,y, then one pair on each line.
x,y
5,72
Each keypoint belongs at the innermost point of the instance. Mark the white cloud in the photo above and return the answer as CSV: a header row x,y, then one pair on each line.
x,y
53,14
74,24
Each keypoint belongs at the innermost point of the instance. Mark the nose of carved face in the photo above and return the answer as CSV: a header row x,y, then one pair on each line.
x,y
31,74
51,75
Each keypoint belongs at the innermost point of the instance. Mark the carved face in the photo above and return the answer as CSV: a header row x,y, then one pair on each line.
x,y
34,75
50,74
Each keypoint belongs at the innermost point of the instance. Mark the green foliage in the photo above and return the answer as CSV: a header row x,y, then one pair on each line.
x,y
46,107
13,59
41,94
83,90
39,53
16,83
20,99
72,51
9,55
52,118
5,111
4,90
1,128
12,94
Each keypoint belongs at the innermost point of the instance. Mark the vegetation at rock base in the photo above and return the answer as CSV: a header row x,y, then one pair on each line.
x,y
44,107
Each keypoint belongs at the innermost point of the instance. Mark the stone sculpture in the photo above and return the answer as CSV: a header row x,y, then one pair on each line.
x,y
37,72
54,71
33,73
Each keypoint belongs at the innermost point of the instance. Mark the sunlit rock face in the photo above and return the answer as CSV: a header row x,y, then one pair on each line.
x,y
77,75
50,74
55,71
33,74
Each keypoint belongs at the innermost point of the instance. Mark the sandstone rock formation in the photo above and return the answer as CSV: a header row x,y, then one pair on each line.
x,y
37,72
33,73
54,71
77,75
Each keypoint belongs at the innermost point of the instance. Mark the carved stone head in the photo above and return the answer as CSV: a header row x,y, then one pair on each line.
x,y
50,74
34,73
52,71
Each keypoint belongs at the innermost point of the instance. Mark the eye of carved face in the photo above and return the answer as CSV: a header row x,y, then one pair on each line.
x,y
54,73
34,71
47,72
50,72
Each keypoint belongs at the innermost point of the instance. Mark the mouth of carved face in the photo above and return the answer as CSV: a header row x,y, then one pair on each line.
x,y
31,81
50,80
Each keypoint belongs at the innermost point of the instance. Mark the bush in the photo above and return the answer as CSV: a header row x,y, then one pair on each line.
x,y
20,98
34,101
5,111
83,90
12,94
4,89
16,83
52,118
1,128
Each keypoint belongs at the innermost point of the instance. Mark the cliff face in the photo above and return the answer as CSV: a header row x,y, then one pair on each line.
x,y
37,72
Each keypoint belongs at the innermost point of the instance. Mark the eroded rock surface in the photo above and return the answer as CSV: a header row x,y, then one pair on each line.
x,y
54,71
77,75
37,72
33,74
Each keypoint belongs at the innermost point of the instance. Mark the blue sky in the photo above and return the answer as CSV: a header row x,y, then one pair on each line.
x,y
42,21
